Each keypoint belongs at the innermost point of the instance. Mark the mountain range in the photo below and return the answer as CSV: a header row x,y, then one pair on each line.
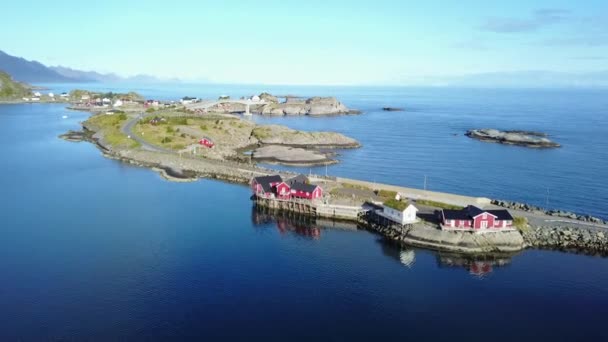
x,y
35,72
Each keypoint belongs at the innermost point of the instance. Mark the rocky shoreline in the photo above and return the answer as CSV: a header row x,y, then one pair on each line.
x,y
593,241
519,138
555,213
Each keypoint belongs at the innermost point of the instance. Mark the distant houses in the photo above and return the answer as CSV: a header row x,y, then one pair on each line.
x,y
274,186
475,219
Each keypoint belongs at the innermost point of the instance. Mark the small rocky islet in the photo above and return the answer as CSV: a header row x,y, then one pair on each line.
x,y
515,137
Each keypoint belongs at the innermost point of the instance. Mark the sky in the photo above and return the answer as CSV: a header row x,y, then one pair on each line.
x,y
315,42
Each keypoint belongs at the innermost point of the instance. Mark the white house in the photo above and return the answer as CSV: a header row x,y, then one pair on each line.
x,y
106,100
51,95
37,94
255,98
118,103
399,212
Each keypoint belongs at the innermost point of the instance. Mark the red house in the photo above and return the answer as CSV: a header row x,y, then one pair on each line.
x,y
474,219
275,187
306,191
263,186
206,142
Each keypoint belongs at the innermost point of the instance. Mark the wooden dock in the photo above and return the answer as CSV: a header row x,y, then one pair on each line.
x,y
313,208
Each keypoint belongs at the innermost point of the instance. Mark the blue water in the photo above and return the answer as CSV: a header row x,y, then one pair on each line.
x,y
93,249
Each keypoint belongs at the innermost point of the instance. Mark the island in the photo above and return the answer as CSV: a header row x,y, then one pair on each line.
x,y
519,138
268,104
220,137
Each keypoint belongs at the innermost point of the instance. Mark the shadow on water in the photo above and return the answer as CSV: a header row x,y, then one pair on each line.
x,y
478,265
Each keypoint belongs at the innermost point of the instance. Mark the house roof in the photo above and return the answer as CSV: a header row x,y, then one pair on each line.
x,y
471,211
265,181
397,205
501,214
304,187
298,179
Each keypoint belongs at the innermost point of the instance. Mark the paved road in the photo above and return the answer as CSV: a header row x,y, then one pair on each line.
x,y
127,129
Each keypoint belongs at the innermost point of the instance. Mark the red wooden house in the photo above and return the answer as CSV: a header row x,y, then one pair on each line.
x,y
275,187
206,142
264,186
306,191
472,218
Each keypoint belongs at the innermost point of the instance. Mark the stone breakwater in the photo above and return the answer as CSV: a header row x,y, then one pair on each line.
x,y
579,240
554,213
428,236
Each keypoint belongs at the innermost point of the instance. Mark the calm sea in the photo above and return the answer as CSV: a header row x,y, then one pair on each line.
x,y
93,249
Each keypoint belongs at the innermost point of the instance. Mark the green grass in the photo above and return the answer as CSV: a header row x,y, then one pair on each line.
x,y
521,223
9,89
387,194
436,204
355,186
261,133
397,205
110,126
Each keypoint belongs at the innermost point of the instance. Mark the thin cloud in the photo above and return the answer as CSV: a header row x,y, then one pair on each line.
x,y
539,19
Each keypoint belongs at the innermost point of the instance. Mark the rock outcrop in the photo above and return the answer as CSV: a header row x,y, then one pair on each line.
x,y
289,155
583,240
311,106
281,135
520,138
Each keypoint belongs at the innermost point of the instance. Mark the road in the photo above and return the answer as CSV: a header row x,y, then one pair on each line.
x,y
127,129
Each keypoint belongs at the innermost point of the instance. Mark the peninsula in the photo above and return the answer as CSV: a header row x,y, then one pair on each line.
x,y
185,144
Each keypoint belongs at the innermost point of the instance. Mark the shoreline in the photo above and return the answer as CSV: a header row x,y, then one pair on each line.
x,y
173,168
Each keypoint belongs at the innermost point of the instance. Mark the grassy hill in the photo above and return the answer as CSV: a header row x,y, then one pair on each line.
x,y
11,90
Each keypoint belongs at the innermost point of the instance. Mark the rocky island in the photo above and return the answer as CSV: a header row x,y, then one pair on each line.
x,y
520,138
267,104
178,132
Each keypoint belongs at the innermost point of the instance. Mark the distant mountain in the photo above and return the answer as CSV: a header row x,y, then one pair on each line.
x,y
30,71
35,72
94,76
85,75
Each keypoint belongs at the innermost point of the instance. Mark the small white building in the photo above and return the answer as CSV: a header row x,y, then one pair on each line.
x,y
37,94
51,95
35,98
255,98
398,212
118,103
85,97
106,100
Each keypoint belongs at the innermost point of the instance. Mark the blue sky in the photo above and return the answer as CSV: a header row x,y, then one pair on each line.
x,y
311,42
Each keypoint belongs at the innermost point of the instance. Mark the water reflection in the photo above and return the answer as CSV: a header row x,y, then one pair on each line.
x,y
478,266
286,222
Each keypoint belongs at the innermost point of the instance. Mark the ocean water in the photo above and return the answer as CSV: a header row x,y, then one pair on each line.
x,y
427,139
93,249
